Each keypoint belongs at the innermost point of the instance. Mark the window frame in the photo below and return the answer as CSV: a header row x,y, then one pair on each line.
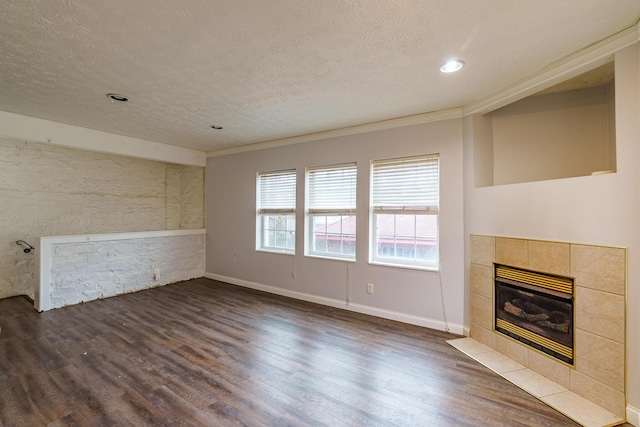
x,y
280,205
314,209
386,201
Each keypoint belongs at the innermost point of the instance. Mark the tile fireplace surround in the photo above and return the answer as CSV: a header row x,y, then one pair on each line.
x,y
600,285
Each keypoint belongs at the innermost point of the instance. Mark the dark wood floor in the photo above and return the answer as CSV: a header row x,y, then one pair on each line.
x,y
207,353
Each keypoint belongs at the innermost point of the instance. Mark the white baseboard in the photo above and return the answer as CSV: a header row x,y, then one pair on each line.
x,y
633,415
358,308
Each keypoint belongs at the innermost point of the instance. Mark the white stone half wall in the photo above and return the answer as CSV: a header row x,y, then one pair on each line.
x,y
48,190
75,269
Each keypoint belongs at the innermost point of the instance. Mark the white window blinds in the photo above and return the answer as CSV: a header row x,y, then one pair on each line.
x,y
277,192
332,190
408,185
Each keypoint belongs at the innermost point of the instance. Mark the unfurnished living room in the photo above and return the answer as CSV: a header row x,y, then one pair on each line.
x,y
320,213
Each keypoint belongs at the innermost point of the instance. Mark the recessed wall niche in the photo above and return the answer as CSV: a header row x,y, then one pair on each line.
x,y
564,131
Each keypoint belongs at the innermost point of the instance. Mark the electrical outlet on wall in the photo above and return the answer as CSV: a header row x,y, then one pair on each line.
x,y
369,288
156,274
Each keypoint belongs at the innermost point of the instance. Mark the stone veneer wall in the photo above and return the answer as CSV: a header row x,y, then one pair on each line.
x,y
600,284
80,271
48,190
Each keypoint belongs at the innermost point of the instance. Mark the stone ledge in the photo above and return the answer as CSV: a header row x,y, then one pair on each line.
x,y
566,402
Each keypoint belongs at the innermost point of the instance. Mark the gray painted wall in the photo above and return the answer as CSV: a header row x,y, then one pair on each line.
x,y
231,224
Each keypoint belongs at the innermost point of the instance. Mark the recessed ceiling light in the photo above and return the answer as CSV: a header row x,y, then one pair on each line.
x,y
452,66
117,97
216,127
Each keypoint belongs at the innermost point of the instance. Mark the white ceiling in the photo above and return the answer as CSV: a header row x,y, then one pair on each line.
x,y
266,70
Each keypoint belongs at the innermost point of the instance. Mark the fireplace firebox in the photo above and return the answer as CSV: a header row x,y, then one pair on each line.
x,y
535,309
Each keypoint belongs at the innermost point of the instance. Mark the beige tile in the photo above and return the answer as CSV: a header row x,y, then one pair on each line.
x,y
483,335
601,268
581,410
550,257
512,349
552,369
600,394
482,250
569,403
600,313
481,280
600,359
513,252
482,311
497,362
533,383
469,346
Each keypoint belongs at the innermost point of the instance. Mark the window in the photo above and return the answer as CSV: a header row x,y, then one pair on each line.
x,y
276,211
404,212
331,211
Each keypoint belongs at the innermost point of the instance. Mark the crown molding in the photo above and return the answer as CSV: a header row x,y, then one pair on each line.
x,y
592,56
436,116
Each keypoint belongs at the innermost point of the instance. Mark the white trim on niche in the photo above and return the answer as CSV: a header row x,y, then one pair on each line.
x,y
358,308
42,300
580,61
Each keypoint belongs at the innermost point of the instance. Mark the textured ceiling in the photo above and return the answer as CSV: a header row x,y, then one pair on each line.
x,y
595,77
267,70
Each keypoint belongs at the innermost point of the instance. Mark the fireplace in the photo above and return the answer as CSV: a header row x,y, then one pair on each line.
x,y
598,284
535,309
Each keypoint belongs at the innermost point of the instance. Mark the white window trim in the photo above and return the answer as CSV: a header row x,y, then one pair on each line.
x,y
311,212
261,213
389,262
270,249
425,209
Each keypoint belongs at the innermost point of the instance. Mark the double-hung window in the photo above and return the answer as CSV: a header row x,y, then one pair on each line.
x,y
276,211
331,211
404,211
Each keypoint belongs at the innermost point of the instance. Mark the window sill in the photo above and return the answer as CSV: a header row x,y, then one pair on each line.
x,y
405,266
330,257
276,251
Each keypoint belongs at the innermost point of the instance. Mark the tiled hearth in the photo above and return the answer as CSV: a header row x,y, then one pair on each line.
x,y
569,403
600,283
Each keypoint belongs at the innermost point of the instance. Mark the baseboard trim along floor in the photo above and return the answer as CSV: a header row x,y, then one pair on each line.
x,y
436,324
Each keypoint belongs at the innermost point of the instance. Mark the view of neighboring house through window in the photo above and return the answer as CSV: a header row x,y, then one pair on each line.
x,y
404,211
331,211
276,211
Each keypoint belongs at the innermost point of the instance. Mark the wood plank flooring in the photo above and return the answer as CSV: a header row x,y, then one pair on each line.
x,y
207,353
